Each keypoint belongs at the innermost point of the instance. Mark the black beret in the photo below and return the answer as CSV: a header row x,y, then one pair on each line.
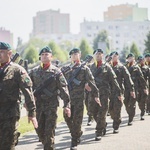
x,y
147,55
45,49
74,50
5,46
114,53
140,58
98,50
130,55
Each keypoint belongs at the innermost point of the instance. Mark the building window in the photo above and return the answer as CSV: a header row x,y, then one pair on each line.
x,y
88,27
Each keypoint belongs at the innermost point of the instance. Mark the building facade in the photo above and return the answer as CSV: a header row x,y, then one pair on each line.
x,y
6,36
120,33
126,12
50,22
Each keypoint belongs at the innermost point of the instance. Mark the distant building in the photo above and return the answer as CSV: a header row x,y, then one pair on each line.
x,y
120,33
50,22
126,12
6,36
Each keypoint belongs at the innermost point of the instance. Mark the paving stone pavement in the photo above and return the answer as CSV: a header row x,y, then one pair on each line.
x,y
135,137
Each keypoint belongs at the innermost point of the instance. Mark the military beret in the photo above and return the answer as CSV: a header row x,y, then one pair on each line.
x,y
45,49
74,50
114,53
140,58
5,46
98,50
130,55
147,55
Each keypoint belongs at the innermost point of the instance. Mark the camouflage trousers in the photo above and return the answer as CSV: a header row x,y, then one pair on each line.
x,y
8,132
142,98
74,123
148,103
46,127
99,113
115,111
130,104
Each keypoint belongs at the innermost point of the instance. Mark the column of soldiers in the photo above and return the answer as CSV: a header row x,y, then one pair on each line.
x,y
107,84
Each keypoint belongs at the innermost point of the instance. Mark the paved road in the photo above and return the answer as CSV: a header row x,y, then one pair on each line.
x,y
136,137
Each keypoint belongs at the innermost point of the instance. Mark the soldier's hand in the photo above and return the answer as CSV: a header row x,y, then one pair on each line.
x,y
98,101
121,98
146,91
87,87
34,121
67,111
133,94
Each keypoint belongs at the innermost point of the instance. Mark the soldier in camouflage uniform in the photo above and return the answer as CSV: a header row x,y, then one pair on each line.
x,y
105,79
139,82
47,99
123,75
147,59
13,78
142,97
77,96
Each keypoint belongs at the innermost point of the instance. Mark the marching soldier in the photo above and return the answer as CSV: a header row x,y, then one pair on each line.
x,y
105,79
84,79
47,99
123,75
142,97
13,78
139,82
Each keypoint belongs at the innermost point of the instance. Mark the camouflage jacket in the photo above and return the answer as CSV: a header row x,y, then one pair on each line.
x,y
137,77
123,75
15,78
84,76
146,73
49,94
105,79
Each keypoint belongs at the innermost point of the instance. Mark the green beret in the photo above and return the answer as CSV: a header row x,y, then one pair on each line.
x,y
5,46
140,58
147,55
114,53
74,50
130,55
98,50
45,49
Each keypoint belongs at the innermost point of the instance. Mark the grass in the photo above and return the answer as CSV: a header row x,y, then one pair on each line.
x,y
24,126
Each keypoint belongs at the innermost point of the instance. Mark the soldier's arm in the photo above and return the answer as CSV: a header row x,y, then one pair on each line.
x,y
64,93
113,81
25,84
127,78
91,82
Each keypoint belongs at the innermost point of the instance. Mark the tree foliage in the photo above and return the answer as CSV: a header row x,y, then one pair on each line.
x,y
124,54
85,48
57,52
31,54
101,37
134,49
147,44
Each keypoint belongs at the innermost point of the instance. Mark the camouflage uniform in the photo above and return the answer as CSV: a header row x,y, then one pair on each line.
x,y
123,75
77,94
47,102
142,97
105,81
15,79
139,82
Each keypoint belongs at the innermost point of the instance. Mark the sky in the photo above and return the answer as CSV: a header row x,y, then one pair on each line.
x,y
17,15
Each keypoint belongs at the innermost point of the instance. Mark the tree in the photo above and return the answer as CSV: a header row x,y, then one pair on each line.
x,y
134,50
147,44
85,48
57,52
124,53
101,37
31,54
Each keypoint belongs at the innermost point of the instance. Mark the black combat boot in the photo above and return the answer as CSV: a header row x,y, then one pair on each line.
x,y
90,119
74,144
